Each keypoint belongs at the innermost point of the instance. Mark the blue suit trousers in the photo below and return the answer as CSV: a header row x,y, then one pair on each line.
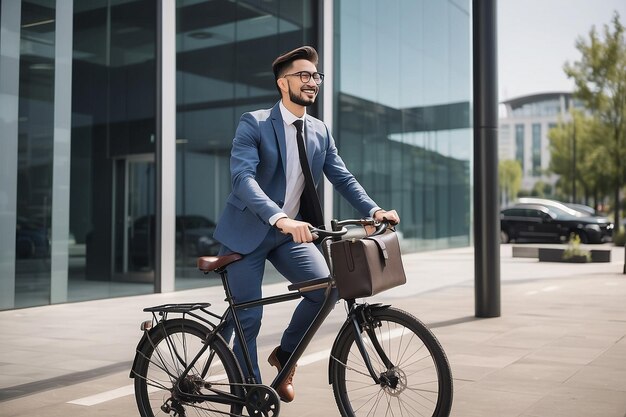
x,y
297,262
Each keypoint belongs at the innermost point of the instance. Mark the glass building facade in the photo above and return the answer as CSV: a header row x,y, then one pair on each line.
x,y
402,112
536,149
519,145
80,85
523,133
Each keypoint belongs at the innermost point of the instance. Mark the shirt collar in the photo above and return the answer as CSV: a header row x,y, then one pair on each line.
x,y
289,117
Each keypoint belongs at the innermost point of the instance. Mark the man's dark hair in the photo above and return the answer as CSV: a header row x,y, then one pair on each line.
x,y
283,62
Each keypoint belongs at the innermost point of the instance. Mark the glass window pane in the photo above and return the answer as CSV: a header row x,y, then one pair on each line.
x,y
224,60
536,149
113,189
402,113
35,145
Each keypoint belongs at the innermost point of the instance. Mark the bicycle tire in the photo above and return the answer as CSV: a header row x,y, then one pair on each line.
x,y
168,349
424,379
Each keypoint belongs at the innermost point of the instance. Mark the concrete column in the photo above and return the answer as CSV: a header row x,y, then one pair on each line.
x,y
62,151
9,100
166,146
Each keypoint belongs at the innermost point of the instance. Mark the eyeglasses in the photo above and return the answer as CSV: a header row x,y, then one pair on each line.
x,y
305,76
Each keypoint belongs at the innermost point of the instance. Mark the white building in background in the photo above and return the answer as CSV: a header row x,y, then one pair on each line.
x,y
523,132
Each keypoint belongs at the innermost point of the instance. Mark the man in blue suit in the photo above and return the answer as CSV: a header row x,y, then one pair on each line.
x,y
264,218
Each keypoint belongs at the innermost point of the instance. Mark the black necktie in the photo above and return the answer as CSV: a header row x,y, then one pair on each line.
x,y
310,207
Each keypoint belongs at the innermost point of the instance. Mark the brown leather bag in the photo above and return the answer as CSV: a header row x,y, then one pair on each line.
x,y
367,266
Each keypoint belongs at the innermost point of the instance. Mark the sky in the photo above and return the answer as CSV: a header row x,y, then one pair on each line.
x,y
537,37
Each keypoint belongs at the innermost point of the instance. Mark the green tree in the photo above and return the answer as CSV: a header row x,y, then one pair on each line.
x,y
541,189
600,78
578,156
510,179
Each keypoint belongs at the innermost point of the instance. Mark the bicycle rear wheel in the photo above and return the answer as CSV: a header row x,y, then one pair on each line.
x,y
161,360
418,384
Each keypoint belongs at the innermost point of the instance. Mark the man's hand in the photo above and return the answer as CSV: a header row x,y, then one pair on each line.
x,y
297,229
391,216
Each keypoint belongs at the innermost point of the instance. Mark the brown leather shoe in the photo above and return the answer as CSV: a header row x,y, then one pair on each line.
x,y
285,390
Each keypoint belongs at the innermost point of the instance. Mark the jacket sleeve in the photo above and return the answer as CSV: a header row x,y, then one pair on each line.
x,y
244,161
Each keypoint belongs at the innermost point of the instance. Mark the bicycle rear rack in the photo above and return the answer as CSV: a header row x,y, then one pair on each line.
x,y
177,308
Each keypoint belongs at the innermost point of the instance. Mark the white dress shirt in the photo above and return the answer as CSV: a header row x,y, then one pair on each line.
x,y
295,178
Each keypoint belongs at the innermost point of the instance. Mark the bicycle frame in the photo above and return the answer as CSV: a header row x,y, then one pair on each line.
x,y
358,319
326,308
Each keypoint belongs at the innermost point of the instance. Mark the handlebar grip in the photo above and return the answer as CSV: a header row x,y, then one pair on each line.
x,y
327,233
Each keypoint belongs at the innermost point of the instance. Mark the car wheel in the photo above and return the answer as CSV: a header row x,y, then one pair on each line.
x,y
504,236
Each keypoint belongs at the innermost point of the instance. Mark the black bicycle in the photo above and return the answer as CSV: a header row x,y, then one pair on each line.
x,y
384,361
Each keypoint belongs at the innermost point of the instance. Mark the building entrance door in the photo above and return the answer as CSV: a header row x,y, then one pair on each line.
x,y
134,218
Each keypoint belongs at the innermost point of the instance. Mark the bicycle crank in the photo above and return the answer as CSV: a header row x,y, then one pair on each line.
x,y
262,401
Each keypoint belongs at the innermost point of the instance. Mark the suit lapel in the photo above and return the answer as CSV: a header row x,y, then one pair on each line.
x,y
279,130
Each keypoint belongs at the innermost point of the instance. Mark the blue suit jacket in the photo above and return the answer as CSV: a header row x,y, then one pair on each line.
x,y
257,167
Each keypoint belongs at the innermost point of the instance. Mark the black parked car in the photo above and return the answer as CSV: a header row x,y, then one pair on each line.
x,y
31,239
194,237
538,222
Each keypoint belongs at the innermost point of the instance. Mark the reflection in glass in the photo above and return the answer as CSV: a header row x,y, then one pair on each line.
x,y
402,113
536,149
224,60
519,145
35,144
112,199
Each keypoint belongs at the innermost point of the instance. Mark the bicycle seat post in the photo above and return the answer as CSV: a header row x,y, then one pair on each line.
x,y
239,333
224,277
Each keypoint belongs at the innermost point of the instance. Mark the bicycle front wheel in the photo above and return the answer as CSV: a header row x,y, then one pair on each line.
x,y
414,381
169,348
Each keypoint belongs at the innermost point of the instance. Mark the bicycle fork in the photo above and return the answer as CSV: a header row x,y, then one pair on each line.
x,y
360,321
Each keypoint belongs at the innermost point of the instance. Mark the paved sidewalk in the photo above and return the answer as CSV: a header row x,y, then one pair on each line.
x,y
559,348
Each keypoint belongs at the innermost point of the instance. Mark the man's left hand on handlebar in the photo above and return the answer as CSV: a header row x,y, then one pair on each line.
x,y
390,216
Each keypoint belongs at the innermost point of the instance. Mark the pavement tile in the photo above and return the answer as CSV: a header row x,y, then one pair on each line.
x,y
558,348
614,357
473,401
599,377
570,401
566,354
536,370
496,383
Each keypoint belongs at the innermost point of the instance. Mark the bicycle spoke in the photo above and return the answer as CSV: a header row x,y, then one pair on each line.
x,y
411,410
172,348
153,383
373,400
376,403
351,368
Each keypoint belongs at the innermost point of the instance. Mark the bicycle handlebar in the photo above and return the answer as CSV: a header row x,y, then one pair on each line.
x,y
336,224
328,233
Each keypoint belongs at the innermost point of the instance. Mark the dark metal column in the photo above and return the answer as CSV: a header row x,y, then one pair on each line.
x,y
486,208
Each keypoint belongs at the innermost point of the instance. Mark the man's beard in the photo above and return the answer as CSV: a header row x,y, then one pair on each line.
x,y
299,100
